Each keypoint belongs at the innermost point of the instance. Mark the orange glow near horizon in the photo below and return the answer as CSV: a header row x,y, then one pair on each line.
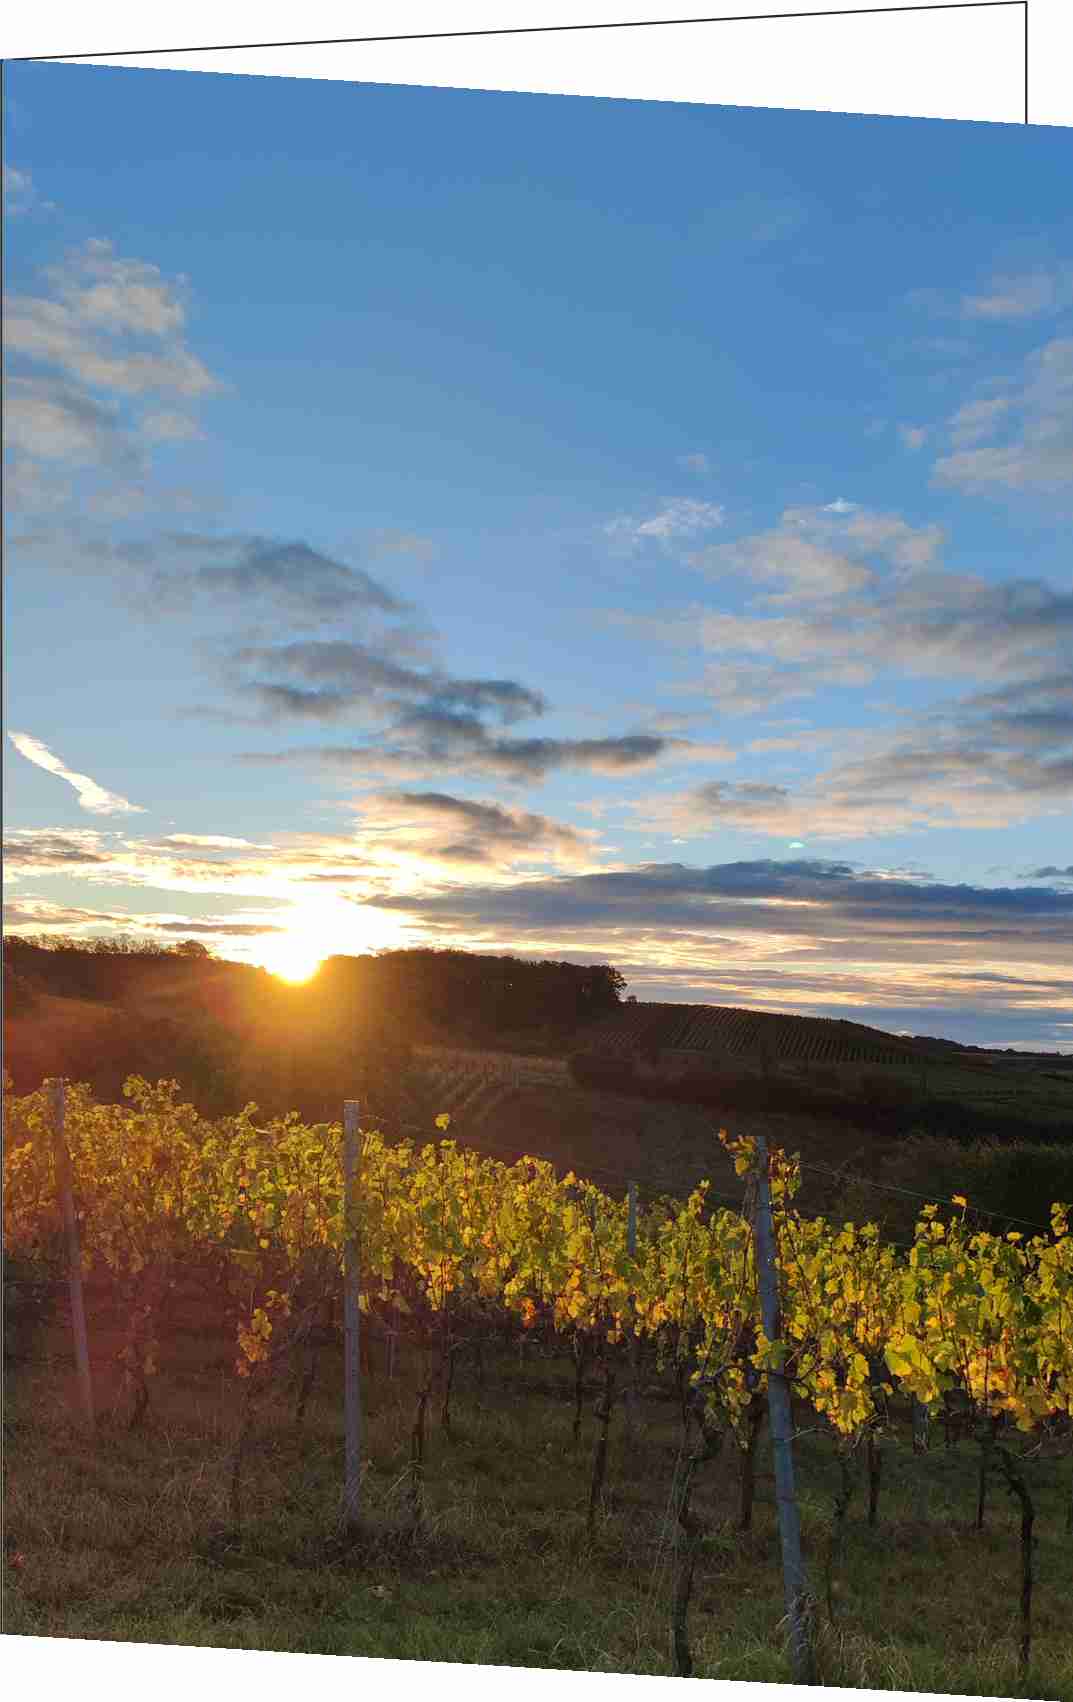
x,y
317,931
294,957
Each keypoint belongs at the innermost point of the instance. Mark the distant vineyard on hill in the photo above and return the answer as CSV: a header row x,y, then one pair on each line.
x,y
726,1032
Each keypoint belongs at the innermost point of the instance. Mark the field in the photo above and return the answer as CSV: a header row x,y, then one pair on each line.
x,y
932,1074
223,1043
615,1138
136,1535
668,1147
129,1538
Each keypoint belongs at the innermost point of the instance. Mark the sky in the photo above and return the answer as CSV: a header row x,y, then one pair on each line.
x,y
616,531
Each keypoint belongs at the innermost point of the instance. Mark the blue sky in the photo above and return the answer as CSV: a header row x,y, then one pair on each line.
x,y
619,531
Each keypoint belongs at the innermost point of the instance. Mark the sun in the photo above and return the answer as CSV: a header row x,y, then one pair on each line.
x,y
317,931
294,957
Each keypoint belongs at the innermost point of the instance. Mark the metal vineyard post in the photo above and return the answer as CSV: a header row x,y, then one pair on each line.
x,y
781,1422
351,1316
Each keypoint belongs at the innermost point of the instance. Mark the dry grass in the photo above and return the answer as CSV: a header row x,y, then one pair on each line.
x,y
126,1538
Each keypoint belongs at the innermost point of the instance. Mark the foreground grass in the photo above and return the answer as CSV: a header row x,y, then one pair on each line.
x,y
126,1538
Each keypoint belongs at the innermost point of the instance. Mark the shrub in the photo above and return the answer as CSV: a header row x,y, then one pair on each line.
x,y
607,1075
886,1093
30,1294
1015,1179
20,996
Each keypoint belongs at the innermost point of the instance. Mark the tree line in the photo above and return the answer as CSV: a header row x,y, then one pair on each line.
x,y
235,1033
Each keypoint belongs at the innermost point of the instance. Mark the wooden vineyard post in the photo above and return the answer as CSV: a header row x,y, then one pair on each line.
x,y
630,1392
64,1183
781,1422
351,1318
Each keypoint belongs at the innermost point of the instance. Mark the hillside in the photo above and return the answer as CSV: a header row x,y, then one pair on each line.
x,y
759,1060
725,1032
231,1033
607,1084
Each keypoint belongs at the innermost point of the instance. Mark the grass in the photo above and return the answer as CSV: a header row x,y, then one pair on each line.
x,y
664,1146
125,1536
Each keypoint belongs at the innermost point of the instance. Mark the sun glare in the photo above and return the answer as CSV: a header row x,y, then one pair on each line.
x,y
318,931
293,958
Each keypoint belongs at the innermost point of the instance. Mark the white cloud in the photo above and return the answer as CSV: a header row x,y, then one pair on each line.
x,y
683,517
433,829
29,487
92,797
107,361
974,420
993,759
20,194
44,914
889,536
397,837
998,758
167,426
55,332
1037,453
53,420
209,841
817,557
18,189
121,295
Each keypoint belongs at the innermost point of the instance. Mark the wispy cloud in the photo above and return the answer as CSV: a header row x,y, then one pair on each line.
x,y
209,842
863,595
780,932
819,553
20,194
226,927
1016,432
460,744
913,437
974,420
1036,450
178,569
50,419
398,837
449,830
46,916
327,678
803,934
92,797
98,371
860,594
426,721
30,850
92,326
987,760
390,540
1022,295
684,517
